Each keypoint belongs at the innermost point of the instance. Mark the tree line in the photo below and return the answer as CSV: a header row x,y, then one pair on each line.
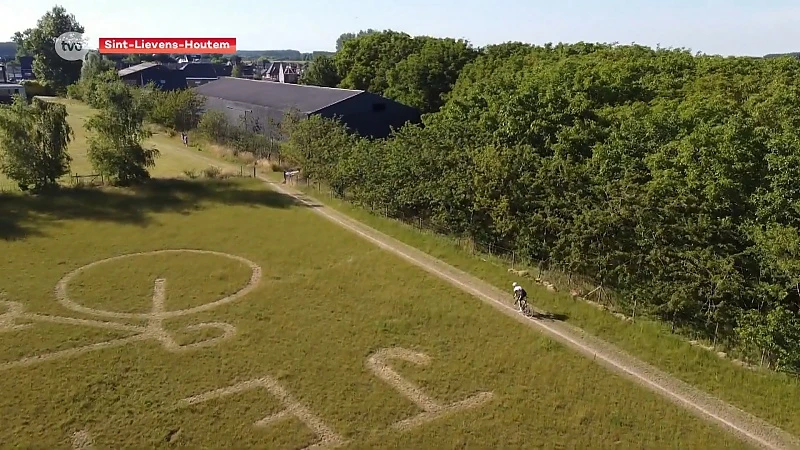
x,y
667,177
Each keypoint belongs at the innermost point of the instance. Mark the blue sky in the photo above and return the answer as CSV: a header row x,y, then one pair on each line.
x,y
732,27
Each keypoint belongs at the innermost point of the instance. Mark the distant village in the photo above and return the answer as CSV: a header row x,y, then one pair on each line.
x,y
170,72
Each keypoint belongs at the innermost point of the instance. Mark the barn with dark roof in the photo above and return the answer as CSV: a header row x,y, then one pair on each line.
x,y
364,113
153,72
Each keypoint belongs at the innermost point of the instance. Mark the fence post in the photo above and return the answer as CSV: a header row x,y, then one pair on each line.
x,y
241,171
513,260
254,171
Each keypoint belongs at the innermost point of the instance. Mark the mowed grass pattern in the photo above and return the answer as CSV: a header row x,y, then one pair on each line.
x,y
327,300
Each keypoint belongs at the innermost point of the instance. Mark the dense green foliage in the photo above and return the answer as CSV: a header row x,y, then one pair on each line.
x,y
322,72
38,41
418,71
248,136
667,177
33,144
177,110
115,146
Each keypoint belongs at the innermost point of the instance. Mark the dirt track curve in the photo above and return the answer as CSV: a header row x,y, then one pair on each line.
x,y
747,427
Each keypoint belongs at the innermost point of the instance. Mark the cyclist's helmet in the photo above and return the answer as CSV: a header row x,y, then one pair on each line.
x,y
514,284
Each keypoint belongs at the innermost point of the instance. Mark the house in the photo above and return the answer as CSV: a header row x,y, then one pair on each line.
x,y
159,74
223,70
364,113
9,90
247,70
185,59
197,74
282,72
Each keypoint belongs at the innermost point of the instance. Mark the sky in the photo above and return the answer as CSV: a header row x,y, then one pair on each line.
x,y
732,27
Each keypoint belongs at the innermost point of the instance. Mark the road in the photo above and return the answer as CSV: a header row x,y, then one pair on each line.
x,y
705,406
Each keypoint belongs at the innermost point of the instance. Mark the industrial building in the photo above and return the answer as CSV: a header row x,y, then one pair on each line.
x,y
364,113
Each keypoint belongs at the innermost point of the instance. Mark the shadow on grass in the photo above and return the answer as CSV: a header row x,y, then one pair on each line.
x,y
24,215
309,202
550,316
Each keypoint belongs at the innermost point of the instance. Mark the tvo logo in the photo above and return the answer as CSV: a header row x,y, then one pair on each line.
x,y
72,46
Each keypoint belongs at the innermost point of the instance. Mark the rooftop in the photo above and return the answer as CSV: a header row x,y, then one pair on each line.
x,y
136,68
281,96
198,70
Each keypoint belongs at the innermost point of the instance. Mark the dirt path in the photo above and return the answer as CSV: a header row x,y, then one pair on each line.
x,y
740,423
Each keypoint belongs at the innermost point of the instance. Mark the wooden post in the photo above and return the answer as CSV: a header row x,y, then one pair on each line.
x,y
513,260
254,171
635,302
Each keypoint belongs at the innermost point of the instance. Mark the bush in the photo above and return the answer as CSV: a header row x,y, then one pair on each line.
x,y
212,172
175,110
34,88
115,147
34,140
75,91
249,136
191,174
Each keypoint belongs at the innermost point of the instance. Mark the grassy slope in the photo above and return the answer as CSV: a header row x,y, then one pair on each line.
x,y
327,300
171,162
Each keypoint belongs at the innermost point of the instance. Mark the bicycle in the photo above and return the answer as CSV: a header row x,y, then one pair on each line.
x,y
523,305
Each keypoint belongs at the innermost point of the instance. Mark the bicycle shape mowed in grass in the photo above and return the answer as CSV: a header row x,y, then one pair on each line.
x,y
15,318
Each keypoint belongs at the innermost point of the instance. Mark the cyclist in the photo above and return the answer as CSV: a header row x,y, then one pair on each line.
x,y
520,296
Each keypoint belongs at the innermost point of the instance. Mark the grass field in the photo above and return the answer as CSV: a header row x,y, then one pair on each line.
x,y
170,163
109,368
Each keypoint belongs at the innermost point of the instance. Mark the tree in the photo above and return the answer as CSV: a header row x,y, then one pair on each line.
x,y
115,145
425,77
40,42
33,140
321,72
94,64
179,110
344,37
364,61
236,72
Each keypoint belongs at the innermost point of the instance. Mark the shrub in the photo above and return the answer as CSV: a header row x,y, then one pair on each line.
x,y
34,88
75,91
176,110
212,172
115,147
34,140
